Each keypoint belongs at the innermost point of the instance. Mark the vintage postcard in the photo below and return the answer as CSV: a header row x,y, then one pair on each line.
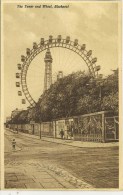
x,y
61,95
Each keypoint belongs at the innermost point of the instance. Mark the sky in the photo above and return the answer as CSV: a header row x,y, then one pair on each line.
x,y
94,24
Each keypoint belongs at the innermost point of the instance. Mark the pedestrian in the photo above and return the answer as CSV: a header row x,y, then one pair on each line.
x,y
62,133
13,144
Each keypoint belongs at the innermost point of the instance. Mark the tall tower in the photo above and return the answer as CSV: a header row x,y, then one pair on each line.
x,y
48,70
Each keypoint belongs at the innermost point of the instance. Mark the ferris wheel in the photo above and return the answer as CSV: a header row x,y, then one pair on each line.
x,y
58,42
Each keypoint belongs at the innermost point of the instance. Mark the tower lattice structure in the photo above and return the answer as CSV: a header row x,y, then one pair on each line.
x,y
48,70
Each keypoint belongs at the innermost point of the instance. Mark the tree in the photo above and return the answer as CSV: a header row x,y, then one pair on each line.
x,y
75,94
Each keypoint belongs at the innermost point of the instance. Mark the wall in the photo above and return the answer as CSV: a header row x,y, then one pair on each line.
x,y
94,127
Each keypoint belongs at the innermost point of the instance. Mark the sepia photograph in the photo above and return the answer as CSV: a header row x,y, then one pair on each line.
x,y
61,82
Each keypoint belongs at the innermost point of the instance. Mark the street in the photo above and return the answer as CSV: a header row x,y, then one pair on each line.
x,y
37,164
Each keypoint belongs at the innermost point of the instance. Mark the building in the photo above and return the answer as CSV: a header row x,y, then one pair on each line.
x,y
15,112
60,75
48,70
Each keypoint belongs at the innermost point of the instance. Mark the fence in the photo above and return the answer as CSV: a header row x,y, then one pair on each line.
x,y
90,127
111,128
95,127
47,129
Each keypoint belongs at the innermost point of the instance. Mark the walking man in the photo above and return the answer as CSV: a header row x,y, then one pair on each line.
x,y
62,133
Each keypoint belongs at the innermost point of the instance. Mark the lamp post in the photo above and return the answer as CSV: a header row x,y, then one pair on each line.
x,y
100,94
40,130
98,83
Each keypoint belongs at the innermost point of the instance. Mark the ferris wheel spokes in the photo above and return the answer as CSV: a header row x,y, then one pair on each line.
x,y
53,43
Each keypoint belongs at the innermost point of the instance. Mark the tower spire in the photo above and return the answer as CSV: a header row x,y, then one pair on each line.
x,y
48,70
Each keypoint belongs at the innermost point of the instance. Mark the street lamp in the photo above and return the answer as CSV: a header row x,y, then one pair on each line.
x,y
99,83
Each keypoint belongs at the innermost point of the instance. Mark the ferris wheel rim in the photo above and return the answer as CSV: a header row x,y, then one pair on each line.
x,y
54,44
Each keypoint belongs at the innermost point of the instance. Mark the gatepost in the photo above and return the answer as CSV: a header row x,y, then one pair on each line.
x,y
103,127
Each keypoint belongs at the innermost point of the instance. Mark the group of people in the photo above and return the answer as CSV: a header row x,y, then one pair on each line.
x,y
70,133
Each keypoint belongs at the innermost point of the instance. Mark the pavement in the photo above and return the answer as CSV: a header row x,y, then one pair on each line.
x,y
38,175
55,164
79,144
41,176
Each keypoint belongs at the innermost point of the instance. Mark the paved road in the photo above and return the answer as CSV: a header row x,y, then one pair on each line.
x,y
43,165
